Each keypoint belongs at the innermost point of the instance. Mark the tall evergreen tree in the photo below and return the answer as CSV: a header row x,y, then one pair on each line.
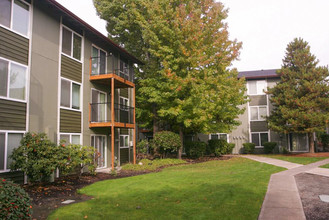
x,y
301,98
186,50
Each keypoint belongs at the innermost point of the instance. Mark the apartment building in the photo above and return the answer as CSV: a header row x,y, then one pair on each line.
x,y
253,127
60,76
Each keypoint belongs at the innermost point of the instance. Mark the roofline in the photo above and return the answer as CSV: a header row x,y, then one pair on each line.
x,y
99,34
260,76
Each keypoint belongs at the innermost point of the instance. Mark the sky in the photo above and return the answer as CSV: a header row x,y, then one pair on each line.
x,y
264,27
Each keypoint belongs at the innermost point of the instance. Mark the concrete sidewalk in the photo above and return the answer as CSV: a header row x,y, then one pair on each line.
x,y
282,200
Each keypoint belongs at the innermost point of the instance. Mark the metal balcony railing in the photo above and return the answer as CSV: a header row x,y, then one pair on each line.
x,y
100,66
101,113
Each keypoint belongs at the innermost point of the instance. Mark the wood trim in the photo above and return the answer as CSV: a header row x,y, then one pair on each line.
x,y
112,128
110,76
100,124
134,121
123,125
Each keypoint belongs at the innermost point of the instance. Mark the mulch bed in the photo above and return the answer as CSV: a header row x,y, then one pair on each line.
x,y
310,186
49,196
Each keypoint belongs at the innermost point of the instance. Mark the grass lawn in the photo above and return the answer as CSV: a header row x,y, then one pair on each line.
x,y
293,159
146,164
231,189
325,166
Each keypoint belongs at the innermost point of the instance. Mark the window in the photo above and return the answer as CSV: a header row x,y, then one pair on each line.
x,y
257,87
70,138
259,138
70,94
12,80
99,143
258,113
15,14
8,142
124,68
124,103
98,61
98,106
124,141
218,136
71,44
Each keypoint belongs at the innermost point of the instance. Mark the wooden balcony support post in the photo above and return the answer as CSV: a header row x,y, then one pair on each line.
x,y
112,120
134,122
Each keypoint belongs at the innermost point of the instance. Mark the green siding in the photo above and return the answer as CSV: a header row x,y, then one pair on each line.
x,y
124,156
258,126
71,69
13,46
70,121
12,115
256,100
124,92
17,177
124,131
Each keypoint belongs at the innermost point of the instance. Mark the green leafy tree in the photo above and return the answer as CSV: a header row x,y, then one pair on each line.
x,y
301,97
185,46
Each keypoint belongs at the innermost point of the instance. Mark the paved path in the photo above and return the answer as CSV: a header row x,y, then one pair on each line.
x,y
282,200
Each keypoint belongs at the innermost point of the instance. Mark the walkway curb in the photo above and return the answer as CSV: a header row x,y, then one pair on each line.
x,y
282,200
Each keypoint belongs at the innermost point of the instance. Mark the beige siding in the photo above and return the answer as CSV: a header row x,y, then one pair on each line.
x,y
12,115
258,126
13,46
258,100
71,69
70,121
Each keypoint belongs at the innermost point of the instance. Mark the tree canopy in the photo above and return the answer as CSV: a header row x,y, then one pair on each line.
x,y
186,49
301,97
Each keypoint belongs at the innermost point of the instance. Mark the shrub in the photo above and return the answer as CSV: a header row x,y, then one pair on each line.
x,y
324,138
74,158
142,146
220,147
167,142
14,201
285,150
36,156
248,148
195,149
269,147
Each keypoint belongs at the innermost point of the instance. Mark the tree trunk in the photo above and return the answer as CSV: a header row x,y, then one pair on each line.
x,y
311,142
181,135
155,121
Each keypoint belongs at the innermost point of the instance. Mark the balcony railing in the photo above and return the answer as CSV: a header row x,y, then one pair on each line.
x,y
101,113
100,66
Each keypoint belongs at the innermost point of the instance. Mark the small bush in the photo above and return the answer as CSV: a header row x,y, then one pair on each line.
x,y
146,164
142,146
285,150
248,148
324,138
167,142
195,149
220,147
269,147
14,201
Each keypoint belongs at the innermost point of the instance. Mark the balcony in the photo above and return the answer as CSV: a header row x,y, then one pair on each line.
x,y
102,71
100,115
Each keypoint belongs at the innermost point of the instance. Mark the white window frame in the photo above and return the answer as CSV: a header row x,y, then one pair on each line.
x,y
122,106
72,38
70,135
11,20
105,152
227,136
6,147
259,138
257,82
8,82
259,118
71,82
124,136
100,49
